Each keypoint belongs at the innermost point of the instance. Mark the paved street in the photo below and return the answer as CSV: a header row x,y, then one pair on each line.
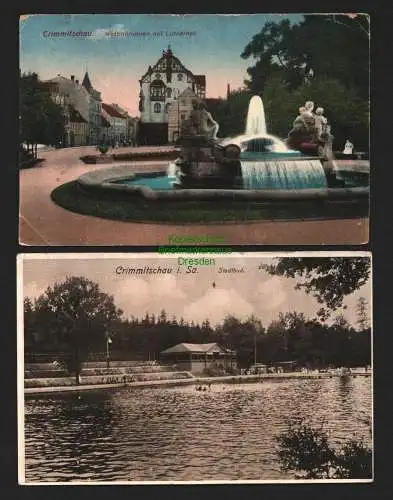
x,y
42,222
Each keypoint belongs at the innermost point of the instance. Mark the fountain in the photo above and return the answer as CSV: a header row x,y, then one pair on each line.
x,y
256,122
255,165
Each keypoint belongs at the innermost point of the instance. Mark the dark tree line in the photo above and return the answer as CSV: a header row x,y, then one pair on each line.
x,y
75,317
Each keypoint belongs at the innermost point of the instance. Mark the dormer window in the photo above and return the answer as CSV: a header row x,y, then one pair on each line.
x,y
158,76
180,76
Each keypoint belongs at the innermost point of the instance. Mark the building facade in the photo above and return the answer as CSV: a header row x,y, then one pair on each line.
x,y
118,124
68,91
78,128
94,110
132,124
178,112
160,87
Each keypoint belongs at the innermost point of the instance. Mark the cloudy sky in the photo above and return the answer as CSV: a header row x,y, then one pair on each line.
x,y
189,295
115,64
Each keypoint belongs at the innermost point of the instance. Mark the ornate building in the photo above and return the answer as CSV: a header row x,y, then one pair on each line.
x,y
161,86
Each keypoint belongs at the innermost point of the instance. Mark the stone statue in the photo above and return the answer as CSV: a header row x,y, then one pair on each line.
x,y
299,120
202,121
320,123
308,117
301,131
348,148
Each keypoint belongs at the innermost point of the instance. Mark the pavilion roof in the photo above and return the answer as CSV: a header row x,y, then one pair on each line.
x,y
194,348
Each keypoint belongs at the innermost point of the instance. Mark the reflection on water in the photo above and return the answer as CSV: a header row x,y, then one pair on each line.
x,y
226,433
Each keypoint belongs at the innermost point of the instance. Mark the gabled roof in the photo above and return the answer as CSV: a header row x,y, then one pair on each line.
x,y
66,84
194,348
170,60
75,115
112,111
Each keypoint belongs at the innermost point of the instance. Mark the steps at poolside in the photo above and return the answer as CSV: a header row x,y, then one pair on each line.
x,y
125,370
115,364
108,379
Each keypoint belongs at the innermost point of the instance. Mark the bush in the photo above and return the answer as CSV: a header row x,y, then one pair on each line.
x,y
103,149
306,449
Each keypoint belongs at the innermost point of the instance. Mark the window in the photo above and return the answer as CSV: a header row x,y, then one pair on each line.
x,y
158,76
157,107
182,117
167,107
168,92
157,93
180,77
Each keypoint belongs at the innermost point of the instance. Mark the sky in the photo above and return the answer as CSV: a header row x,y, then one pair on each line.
x,y
115,64
191,296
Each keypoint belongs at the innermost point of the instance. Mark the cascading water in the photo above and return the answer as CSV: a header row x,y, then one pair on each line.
x,y
280,173
291,174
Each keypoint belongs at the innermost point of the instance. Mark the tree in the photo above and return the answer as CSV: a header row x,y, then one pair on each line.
x,y
328,279
306,449
336,46
362,319
41,120
77,315
346,111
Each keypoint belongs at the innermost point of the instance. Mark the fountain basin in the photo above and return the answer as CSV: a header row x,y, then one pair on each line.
x,y
158,186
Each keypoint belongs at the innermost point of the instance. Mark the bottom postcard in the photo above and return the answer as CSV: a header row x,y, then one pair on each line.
x,y
195,368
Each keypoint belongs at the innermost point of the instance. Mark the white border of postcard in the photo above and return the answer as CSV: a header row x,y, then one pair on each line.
x,y
20,358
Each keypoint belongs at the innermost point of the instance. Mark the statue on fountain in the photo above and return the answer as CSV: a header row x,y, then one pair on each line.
x,y
202,121
310,132
203,162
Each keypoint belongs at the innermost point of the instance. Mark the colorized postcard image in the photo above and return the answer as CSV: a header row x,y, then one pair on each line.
x,y
147,368
150,129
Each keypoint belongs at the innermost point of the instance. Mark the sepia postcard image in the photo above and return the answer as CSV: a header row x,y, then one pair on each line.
x,y
205,368
247,129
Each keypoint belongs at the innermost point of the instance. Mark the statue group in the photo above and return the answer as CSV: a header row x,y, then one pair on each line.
x,y
311,132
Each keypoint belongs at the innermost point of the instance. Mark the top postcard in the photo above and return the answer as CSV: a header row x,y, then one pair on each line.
x,y
203,130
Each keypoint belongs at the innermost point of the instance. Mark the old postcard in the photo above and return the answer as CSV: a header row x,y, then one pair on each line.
x,y
198,368
230,129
